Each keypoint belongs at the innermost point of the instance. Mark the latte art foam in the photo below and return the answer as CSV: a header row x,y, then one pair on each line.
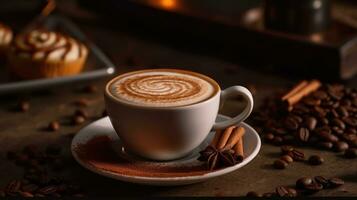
x,y
162,88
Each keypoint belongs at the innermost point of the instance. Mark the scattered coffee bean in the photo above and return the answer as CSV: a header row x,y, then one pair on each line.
x,y
336,182
282,191
77,120
81,112
351,153
82,102
313,187
287,158
23,106
53,126
323,181
316,160
297,155
269,194
286,149
280,164
13,186
26,194
253,194
341,146
301,183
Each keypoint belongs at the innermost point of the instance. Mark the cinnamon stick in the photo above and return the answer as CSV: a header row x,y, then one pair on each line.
x,y
295,89
224,138
239,150
216,138
310,87
236,135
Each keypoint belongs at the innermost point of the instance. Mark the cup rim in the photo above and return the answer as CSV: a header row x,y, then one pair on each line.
x,y
207,78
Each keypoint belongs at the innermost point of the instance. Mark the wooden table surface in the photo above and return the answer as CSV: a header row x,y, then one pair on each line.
x,y
18,129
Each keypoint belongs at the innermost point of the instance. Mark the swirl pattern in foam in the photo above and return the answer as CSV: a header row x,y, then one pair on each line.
x,y
162,88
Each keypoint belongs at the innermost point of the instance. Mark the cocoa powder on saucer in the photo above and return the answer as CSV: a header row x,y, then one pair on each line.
x,y
99,153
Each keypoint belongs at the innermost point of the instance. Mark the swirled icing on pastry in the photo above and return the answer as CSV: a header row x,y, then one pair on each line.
x,y
162,88
47,45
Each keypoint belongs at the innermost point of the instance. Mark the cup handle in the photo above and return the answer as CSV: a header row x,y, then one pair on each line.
x,y
231,92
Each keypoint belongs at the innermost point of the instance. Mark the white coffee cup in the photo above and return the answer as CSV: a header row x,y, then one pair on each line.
x,y
166,133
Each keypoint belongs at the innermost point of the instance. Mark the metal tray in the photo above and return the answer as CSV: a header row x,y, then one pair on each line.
x,y
97,65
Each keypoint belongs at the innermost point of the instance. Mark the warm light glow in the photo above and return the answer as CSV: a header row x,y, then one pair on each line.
x,y
316,37
168,3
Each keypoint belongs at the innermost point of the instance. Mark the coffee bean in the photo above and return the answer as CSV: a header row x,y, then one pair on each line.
x,y
319,111
313,187
324,121
351,153
297,155
336,182
341,146
301,183
80,195
23,106
13,186
342,111
310,123
337,130
291,124
339,123
298,119
269,137
316,160
82,102
325,145
26,194
323,181
320,94
280,164
351,121
53,126
77,120
286,149
47,190
269,194
281,191
253,194
292,192
81,112
287,158
303,134
29,188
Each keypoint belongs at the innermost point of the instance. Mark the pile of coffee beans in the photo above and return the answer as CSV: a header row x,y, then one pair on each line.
x,y
326,118
304,186
39,180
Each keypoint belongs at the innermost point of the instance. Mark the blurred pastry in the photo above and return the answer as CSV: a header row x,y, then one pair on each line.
x,y
46,54
5,39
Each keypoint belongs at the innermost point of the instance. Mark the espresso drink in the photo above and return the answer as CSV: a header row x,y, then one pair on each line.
x,y
163,88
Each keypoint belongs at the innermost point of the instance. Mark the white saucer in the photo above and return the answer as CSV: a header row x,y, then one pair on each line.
x,y
103,127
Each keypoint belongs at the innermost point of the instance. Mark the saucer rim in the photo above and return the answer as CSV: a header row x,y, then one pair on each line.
x,y
162,180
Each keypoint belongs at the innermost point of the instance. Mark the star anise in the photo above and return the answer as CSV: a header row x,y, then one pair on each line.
x,y
216,158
